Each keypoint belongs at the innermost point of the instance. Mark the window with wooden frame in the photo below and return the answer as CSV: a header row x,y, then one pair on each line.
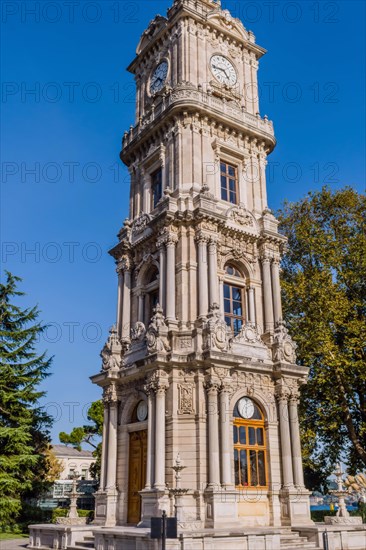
x,y
156,187
234,299
229,182
250,464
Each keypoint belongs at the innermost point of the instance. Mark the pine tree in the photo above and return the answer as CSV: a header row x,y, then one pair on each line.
x,y
24,424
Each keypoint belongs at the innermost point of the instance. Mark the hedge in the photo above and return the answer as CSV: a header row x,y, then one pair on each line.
x,y
62,513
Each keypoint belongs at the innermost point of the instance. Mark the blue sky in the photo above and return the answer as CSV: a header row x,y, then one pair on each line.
x,y
58,222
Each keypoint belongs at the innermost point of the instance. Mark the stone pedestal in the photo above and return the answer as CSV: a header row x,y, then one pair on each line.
x,y
221,508
295,506
106,507
153,502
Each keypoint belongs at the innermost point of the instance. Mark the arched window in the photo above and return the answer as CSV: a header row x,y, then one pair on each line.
x,y
151,293
156,188
234,287
249,445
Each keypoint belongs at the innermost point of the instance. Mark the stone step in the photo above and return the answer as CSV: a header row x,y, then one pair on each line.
x,y
293,541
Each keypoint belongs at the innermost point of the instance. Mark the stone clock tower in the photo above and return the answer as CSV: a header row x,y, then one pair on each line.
x,y
199,367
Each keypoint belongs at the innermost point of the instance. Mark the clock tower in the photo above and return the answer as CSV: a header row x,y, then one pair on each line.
x,y
199,375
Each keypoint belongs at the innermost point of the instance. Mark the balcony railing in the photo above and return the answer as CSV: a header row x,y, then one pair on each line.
x,y
187,95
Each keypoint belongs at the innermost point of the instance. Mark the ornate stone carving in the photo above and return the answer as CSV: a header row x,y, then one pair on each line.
x,y
167,236
138,332
185,398
125,263
157,333
241,216
250,333
185,342
221,372
216,334
252,384
110,394
140,224
158,380
283,348
111,352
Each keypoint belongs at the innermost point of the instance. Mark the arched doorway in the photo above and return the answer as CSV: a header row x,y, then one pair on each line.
x,y
136,465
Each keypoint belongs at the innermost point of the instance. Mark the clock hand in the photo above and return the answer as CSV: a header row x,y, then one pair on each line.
x,y
219,68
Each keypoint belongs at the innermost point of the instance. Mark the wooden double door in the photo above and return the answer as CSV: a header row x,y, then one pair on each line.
x,y
136,474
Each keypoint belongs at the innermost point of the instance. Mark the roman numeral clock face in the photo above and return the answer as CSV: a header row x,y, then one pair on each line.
x,y
158,77
223,70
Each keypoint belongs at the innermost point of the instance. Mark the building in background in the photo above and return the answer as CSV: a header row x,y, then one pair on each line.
x,y
73,461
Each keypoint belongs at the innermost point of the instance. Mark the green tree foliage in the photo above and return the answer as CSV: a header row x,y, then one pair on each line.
x,y
324,297
88,434
23,422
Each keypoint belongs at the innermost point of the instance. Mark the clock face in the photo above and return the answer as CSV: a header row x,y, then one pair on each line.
x,y
223,70
141,411
158,77
246,408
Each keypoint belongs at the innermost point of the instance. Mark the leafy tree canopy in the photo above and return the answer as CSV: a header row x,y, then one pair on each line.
x,y
23,422
88,434
324,298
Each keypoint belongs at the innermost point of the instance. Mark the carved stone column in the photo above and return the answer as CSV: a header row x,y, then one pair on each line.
x,y
267,295
276,291
295,440
140,307
226,437
221,295
162,274
286,456
119,301
212,267
150,439
146,191
202,276
160,390
111,470
251,306
126,308
104,446
213,436
170,276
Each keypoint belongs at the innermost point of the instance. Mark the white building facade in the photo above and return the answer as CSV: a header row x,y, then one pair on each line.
x,y
200,362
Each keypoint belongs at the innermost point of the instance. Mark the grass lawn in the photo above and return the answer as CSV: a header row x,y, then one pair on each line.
x,y
10,536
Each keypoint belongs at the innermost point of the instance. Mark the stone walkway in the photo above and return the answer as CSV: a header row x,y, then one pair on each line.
x,y
15,544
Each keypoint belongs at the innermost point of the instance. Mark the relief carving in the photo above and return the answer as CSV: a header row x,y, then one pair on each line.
x,y
241,216
111,352
284,348
140,224
216,334
157,333
185,398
